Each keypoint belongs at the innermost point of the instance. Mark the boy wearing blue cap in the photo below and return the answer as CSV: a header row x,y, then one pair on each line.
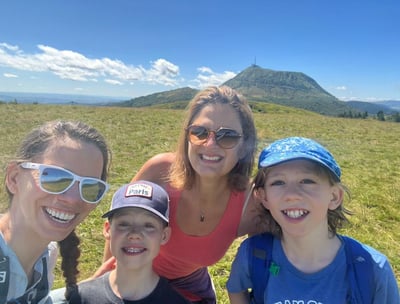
x,y
303,259
136,227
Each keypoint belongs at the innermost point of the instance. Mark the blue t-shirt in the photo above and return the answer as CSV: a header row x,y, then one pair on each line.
x,y
327,286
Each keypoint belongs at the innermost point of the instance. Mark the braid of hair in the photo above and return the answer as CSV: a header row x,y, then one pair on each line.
x,y
70,252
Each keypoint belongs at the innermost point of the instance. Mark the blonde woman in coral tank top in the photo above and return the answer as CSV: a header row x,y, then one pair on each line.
x,y
207,179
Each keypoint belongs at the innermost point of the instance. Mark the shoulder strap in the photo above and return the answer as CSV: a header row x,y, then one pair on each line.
x,y
41,291
359,271
260,265
359,268
4,276
246,202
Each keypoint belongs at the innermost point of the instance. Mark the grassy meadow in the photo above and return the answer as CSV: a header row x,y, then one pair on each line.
x,y
367,150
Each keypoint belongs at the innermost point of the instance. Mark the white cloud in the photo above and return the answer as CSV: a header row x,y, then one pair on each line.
x,y
205,70
341,88
67,64
162,72
8,75
208,77
366,99
7,46
113,81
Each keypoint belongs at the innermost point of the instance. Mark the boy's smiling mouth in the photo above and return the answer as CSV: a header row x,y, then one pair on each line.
x,y
295,213
133,250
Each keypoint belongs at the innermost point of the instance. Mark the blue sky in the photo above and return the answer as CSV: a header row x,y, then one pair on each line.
x,y
132,48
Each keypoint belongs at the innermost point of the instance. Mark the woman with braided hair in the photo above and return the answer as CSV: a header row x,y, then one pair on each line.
x,y
57,178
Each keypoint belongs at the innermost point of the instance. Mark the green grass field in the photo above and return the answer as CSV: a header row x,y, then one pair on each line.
x,y
367,150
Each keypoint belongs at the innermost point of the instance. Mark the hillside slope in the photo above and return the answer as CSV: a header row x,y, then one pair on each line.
x,y
161,98
257,84
292,89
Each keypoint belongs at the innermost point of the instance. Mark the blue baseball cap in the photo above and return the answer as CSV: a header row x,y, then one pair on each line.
x,y
141,194
292,148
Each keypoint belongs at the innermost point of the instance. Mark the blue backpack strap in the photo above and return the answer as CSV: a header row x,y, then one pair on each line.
x,y
359,271
358,259
260,265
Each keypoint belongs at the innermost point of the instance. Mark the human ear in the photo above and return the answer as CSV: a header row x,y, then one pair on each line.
x,y
259,193
106,230
337,197
11,179
260,196
166,235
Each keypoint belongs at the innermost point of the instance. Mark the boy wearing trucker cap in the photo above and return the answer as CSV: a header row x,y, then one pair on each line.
x,y
136,227
303,259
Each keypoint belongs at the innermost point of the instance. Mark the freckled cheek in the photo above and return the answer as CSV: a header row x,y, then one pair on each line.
x,y
272,193
151,234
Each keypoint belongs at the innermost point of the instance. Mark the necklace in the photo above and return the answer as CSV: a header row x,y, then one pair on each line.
x,y
202,216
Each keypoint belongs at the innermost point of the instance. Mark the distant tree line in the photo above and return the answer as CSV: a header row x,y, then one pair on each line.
x,y
355,114
15,102
381,116
392,117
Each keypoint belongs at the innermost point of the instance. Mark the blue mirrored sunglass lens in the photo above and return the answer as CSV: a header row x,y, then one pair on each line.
x,y
55,180
92,190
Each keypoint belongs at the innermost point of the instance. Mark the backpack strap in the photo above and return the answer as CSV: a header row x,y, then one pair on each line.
x,y
261,265
246,202
41,290
4,276
358,259
359,270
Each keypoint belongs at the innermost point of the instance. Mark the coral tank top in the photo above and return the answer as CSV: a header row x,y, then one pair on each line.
x,y
183,254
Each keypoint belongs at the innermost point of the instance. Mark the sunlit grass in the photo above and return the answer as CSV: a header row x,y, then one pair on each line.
x,y
367,150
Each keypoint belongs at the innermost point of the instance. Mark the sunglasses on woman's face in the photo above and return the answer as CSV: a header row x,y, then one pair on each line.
x,y
224,137
57,180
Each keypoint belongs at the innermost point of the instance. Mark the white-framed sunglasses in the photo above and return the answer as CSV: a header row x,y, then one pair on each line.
x,y
57,180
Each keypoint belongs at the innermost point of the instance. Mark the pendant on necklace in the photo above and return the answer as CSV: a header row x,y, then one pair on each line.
x,y
202,218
